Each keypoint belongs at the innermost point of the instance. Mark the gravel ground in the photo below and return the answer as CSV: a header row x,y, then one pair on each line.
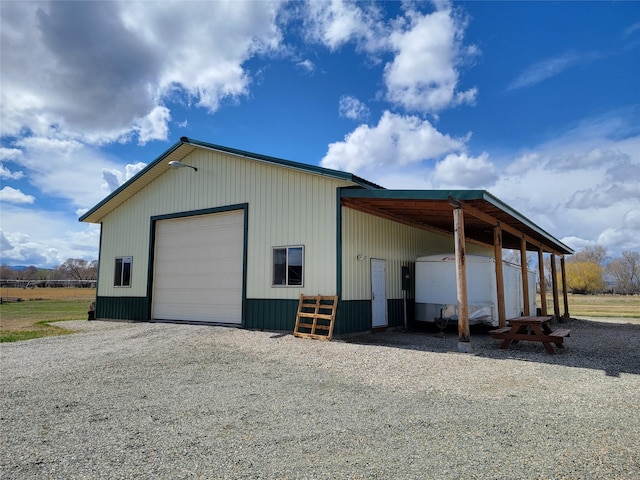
x,y
138,400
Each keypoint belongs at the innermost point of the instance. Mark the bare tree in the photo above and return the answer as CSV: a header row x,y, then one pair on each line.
x,y
596,254
78,269
513,256
8,273
625,272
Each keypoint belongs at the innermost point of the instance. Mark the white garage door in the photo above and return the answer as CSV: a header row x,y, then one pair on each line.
x,y
197,273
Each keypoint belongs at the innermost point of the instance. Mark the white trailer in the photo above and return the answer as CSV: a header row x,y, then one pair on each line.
x,y
436,291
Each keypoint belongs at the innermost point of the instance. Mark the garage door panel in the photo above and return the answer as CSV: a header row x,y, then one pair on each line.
x,y
196,285
188,238
198,268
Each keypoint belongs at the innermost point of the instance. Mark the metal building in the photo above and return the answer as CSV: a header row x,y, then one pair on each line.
x,y
235,237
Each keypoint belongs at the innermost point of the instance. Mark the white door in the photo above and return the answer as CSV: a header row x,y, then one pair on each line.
x,y
198,268
378,293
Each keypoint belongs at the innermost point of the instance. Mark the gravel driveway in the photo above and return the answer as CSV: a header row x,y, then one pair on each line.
x,y
138,400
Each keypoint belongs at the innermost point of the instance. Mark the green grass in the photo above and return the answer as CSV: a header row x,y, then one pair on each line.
x,y
43,330
623,306
30,319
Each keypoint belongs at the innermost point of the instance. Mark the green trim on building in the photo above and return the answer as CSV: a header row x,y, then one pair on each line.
x,y
126,184
305,167
462,195
123,308
150,170
270,314
338,245
353,316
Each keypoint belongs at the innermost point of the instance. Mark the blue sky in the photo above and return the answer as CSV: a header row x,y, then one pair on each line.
x,y
536,102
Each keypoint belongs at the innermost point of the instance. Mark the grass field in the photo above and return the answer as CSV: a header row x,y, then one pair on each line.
x,y
87,294
618,306
30,318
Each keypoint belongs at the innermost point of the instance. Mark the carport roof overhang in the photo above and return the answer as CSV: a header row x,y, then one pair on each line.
x,y
433,210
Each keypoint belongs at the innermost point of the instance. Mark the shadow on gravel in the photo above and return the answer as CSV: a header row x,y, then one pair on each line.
x,y
613,348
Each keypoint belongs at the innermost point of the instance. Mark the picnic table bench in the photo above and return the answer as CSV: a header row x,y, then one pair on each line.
x,y
531,329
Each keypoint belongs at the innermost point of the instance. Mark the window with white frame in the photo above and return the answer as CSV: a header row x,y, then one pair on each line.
x,y
122,276
288,266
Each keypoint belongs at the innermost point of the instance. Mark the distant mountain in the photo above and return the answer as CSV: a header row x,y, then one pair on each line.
x,y
19,268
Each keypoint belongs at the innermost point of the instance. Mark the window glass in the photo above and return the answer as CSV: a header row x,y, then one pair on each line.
x,y
123,272
279,266
294,266
288,266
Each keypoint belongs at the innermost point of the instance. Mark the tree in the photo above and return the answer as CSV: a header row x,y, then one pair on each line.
x,y
78,269
8,273
596,254
584,277
625,273
30,273
513,256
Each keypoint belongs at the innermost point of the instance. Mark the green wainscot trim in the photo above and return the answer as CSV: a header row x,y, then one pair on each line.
x,y
269,314
123,308
353,316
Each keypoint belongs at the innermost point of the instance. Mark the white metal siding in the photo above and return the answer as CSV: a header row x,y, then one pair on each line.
x,y
197,273
285,207
375,237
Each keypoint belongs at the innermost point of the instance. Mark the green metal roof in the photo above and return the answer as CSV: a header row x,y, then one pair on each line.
x,y
327,172
433,209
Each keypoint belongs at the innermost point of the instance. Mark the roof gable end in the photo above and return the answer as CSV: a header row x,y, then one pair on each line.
x,y
184,147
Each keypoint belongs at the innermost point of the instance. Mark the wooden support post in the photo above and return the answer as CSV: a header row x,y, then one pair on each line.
x,y
543,283
497,251
565,297
525,277
554,283
464,337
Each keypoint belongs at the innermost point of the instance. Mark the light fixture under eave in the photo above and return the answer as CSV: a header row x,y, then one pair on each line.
x,y
176,164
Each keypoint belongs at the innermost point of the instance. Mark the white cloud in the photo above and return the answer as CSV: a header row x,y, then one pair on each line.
x,y
114,178
45,238
307,65
550,67
64,169
631,29
351,107
423,75
396,140
337,22
462,171
7,174
9,153
154,126
583,185
136,61
631,219
427,48
12,195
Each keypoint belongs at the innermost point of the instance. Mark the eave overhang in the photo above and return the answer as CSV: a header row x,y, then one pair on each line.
x,y
433,210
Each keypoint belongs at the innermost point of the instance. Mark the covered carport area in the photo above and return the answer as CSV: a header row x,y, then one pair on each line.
x,y
471,216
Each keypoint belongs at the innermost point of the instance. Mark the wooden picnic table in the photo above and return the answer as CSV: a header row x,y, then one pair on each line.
x,y
531,329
